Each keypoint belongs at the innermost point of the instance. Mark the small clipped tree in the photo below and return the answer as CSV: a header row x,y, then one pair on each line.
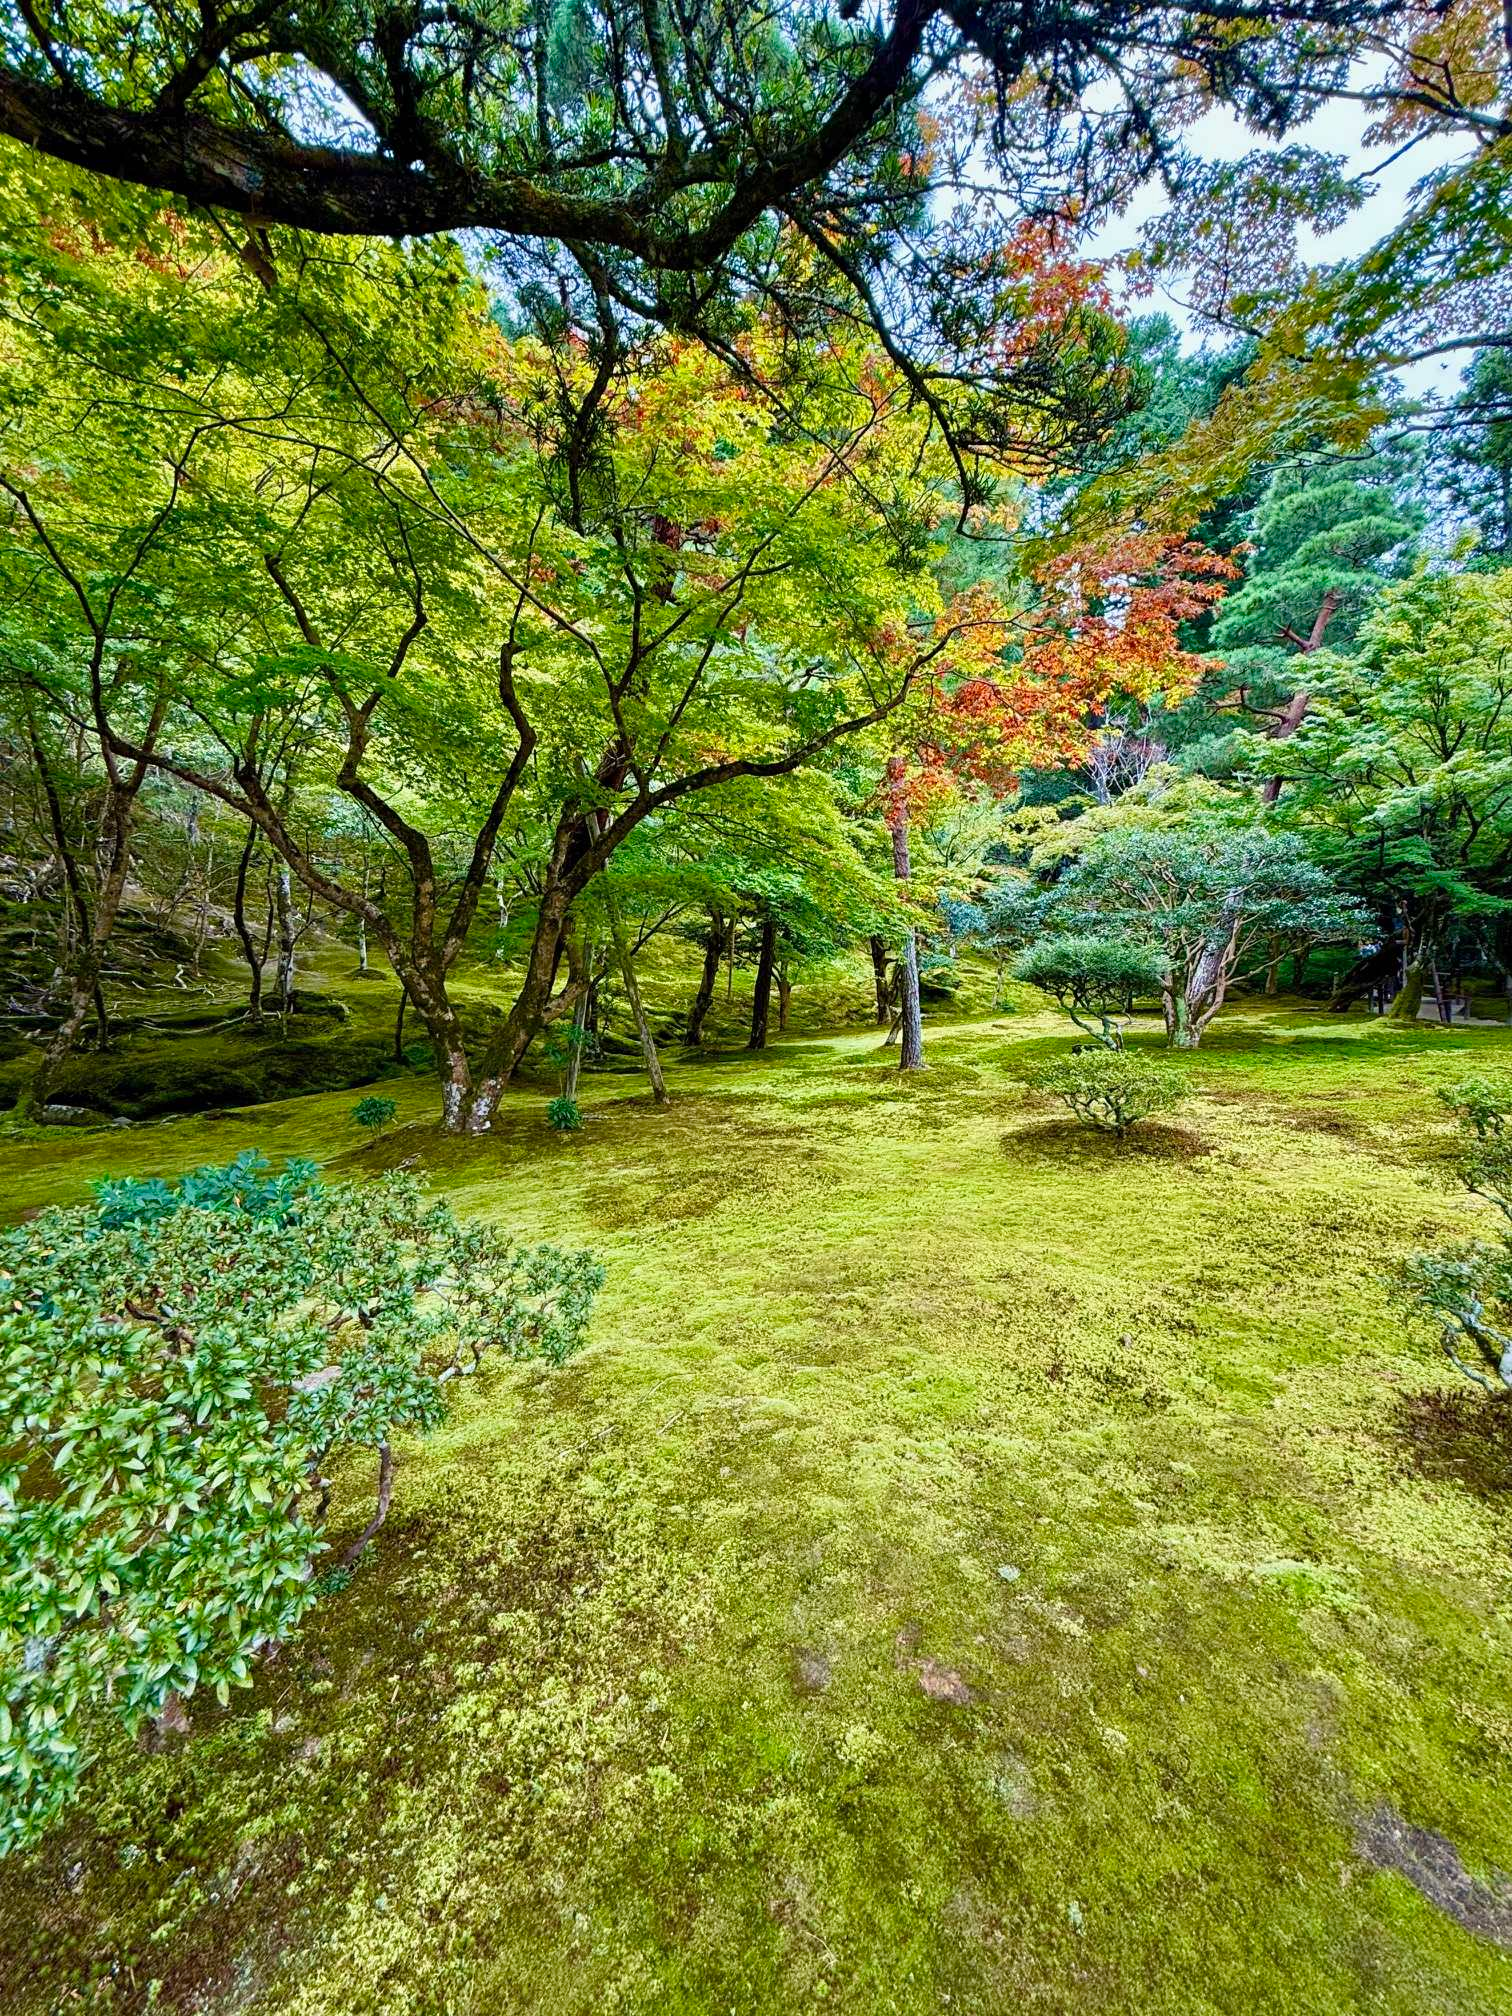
x,y
375,1113
1468,1290
1111,1090
181,1368
1095,980
1211,894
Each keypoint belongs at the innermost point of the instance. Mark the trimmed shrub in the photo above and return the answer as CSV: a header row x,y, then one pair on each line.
x,y
1109,1089
565,1114
375,1113
1095,980
180,1367
1468,1289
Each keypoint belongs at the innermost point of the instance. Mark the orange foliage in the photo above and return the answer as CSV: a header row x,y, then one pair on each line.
x,y
1107,623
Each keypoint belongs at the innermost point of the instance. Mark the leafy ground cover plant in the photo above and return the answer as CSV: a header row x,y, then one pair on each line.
x,y
181,1366
1095,980
375,1113
1109,1089
565,1114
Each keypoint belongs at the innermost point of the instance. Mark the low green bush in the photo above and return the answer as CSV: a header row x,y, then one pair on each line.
x,y
375,1113
565,1114
1483,1106
1109,1089
180,1368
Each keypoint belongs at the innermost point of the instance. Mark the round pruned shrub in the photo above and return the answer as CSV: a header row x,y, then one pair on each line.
x,y
1095,980
1109,1089
375,1113
181,1368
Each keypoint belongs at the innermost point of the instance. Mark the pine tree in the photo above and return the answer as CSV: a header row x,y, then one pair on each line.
x,y
1324,538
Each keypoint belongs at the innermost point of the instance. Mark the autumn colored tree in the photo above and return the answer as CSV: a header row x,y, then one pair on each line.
x,y
1106,622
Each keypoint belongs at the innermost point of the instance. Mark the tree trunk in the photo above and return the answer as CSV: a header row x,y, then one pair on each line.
x,y
637,1006
708,979
1409,996
399,1024
243,929
1296,708
1273,968
76,913
1193,1003
910,1009
761,998
84,984
202,927
784,996
529,1013
287,942
879,980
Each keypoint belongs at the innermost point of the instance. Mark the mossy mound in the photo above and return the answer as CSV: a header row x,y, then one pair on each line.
x,y
201,1058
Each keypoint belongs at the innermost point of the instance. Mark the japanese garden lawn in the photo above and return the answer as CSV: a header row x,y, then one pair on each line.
x,y
976,1566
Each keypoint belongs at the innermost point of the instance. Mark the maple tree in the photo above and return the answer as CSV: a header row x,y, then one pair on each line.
x,y
485,584
1106,621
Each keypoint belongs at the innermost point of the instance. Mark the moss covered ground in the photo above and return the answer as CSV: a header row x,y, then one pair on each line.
x,y
976,1567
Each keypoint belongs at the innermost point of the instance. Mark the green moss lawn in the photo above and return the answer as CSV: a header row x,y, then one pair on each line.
x,y
976,1567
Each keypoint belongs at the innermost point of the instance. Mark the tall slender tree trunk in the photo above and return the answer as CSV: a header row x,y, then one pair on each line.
x,y
784,996
910,1009
287,942
761,998
879,980
244,931
362,944
84,981
708,979
207,892
582,1017
78,929
637,1006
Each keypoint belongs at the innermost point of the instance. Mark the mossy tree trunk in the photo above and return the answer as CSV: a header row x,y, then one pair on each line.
x,y
708,979
880,984
910,1007
1409,996
761,997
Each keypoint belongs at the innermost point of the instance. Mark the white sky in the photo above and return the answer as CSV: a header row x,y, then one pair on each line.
x,y
1337,129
